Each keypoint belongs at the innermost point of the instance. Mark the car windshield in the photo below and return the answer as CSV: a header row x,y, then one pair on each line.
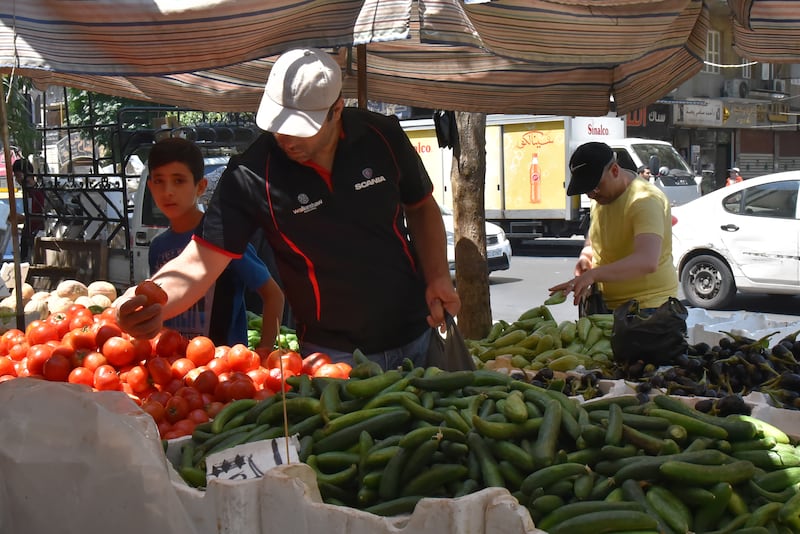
x,y
667,156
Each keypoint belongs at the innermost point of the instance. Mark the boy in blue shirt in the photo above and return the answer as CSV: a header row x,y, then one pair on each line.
x,y
176,182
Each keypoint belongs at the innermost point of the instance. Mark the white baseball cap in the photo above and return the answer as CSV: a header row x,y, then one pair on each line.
x,y
302,86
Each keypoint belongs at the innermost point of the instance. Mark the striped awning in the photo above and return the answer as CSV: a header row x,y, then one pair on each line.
x,y
766,30
502,56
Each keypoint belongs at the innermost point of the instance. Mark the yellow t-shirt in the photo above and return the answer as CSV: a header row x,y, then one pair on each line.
x,y
641,209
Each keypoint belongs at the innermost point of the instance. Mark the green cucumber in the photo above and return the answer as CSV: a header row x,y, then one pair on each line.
x,y
490,472
444,381
544,477
375,425
505,431
369,387
672,510
229,411
418,436
707,475
575,509
433,478
605,521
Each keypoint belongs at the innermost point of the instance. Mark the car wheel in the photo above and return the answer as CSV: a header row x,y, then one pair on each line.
x,y
707,282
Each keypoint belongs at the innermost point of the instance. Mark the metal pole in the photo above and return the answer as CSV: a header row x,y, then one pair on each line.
x,y
362,75
12,204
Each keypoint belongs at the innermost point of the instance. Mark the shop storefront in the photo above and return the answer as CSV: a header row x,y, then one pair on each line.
x,y
757,136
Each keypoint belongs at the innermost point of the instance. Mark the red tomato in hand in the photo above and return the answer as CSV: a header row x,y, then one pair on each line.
x,y
152,291
119,351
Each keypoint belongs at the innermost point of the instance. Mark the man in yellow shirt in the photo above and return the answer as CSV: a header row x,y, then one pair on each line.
x,y
628,251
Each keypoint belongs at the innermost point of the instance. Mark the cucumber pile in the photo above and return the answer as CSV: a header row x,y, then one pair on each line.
x,y
381,441
536,341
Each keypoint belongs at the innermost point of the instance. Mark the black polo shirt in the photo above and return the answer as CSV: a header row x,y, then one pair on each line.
x,y
349,270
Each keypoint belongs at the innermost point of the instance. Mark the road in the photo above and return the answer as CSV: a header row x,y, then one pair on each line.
x,y
538,265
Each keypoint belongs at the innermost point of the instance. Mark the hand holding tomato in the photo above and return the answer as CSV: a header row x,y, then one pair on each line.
x,y
141,315
152,292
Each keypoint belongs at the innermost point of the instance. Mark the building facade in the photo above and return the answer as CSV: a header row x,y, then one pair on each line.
x,y
733,113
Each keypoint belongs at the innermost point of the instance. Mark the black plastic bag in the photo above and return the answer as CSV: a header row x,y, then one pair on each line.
x,y
450,353
657,339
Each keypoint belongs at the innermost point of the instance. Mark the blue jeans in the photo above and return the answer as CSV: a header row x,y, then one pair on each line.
x,y
416,351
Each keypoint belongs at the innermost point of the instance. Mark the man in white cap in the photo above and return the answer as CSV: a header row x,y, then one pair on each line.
x,y
345,203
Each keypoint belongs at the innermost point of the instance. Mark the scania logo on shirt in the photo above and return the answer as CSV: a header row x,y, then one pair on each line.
x,y
370,181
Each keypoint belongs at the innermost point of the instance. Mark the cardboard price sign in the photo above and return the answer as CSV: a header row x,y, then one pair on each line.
x,y
252,460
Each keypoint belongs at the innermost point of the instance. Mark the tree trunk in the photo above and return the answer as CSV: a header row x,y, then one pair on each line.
x,y
467,179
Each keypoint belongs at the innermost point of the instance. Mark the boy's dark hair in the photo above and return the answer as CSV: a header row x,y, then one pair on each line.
x,y
177,149
22,165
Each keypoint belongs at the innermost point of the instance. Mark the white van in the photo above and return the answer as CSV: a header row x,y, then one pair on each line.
x,y
670,171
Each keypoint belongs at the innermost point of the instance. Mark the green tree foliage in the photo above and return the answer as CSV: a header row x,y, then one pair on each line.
x,y
21,131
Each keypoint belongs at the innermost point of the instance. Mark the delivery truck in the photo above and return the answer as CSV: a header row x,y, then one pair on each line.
x,y
527,160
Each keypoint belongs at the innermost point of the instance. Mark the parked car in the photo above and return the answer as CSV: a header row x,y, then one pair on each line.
x,y
744,237
498,247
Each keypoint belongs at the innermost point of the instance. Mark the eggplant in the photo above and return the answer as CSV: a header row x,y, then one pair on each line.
x,y
790,381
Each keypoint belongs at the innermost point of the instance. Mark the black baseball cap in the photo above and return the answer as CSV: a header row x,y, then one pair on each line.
x,y
587,165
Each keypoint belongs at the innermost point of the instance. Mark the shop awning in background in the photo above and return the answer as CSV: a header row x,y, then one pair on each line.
x,y
515,56
766,30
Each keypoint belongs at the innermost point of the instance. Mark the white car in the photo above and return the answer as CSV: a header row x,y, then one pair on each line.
x,y
498,247
744,237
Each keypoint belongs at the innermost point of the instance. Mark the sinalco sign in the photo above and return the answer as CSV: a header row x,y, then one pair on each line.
x,y
584,129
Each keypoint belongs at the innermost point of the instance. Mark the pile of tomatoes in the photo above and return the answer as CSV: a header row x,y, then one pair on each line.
x,y
180,382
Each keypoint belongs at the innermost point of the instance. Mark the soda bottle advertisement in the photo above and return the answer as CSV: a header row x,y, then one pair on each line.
x,y
536,180
534,166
